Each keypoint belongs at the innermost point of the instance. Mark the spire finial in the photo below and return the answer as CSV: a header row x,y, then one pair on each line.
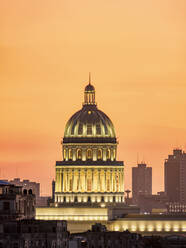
x,y
89,77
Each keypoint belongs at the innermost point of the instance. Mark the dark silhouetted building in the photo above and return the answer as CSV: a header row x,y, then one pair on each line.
x,y
15,202
141,181
34,233
175,174
153,203
100,237
27,184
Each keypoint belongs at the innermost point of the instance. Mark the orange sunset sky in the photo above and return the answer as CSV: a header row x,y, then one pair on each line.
x,y
136,51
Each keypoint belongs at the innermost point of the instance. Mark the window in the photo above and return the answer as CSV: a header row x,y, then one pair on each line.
x,y
6,205
108,153
89,129
79,154
15,245
80,128
98,129
70,154
89,154
99,154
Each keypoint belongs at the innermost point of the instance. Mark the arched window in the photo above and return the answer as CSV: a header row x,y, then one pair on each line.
x,y
79,154
89,154
99,154
108,154
70,154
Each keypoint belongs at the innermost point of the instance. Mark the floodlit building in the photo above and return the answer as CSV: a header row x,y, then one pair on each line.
x,y
141,181
89,171
89,182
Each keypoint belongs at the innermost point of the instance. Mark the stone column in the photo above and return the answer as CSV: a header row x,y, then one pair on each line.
x,y
111,154
105,175
120,180
57,181
92,171
78,182
117,180
123,180
99,185
73,183
85,170
111,183
60,179
67,181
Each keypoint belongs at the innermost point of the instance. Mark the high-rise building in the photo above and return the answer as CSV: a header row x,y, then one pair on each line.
x,y
175,174
141,181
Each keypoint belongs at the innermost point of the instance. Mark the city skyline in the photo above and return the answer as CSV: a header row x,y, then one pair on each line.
x,y
136,54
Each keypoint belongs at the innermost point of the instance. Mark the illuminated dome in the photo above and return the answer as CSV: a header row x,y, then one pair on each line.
x,y
89,172
89,122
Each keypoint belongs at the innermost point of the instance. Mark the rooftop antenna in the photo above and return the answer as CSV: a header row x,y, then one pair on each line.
x,y
89,77
137,158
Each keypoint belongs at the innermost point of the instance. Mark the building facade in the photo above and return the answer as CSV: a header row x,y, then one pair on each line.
x,y
27,184
15,202
175,174
89,171
141,181
32,233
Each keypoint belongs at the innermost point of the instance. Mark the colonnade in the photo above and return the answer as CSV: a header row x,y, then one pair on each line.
x,y
86,153
89,179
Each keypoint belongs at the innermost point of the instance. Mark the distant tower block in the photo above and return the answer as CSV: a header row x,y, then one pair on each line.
x,y
175,174
141,181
